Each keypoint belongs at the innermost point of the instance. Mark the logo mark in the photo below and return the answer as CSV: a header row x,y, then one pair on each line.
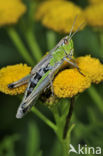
x,y
72,149
85,150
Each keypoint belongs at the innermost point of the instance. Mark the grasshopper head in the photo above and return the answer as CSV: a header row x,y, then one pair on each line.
x,y
68,45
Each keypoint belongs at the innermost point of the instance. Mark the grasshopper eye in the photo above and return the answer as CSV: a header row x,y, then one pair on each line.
x,y
65,41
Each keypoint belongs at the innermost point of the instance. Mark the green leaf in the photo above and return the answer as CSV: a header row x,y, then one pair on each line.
x,y
7,145
33,140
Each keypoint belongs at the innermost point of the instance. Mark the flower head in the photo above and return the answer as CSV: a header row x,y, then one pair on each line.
x,y
94,15
11,74
91,67
11,11
69,83
59,15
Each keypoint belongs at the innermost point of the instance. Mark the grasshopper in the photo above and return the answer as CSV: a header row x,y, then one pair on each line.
x,y
43,73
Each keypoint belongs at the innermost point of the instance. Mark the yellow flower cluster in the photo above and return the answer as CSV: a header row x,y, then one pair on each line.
x,y
67,83
70,82
11,74
11,11
94,15
95,1
60,15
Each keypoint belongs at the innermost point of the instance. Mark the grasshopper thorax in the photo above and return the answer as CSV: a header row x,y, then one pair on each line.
x,y
63,49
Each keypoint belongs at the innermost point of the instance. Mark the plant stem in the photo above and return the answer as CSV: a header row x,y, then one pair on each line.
x,y
31,40
51,39
45,119
96,98
68,118
19,45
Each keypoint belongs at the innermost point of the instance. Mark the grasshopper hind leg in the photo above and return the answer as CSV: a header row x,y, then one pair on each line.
x,y
19,82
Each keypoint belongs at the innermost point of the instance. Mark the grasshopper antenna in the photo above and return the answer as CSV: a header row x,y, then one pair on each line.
x,y
73,25
77,29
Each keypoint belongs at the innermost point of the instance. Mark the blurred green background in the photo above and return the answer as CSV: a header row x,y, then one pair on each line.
x,y
32,137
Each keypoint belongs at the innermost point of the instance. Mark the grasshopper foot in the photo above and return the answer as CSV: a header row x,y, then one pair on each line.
x,y
11,86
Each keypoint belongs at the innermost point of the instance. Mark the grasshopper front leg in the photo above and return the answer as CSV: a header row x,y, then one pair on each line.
x,y
19,82
73,64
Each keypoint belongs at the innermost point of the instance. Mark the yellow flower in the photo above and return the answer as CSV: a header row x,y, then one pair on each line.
x,y
11,74
95,1
11,11
67,83
91,67
94,15
70,82
60,15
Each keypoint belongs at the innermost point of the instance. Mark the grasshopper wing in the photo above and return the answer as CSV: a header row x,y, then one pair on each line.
x,y
33,89
45,60
26,104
